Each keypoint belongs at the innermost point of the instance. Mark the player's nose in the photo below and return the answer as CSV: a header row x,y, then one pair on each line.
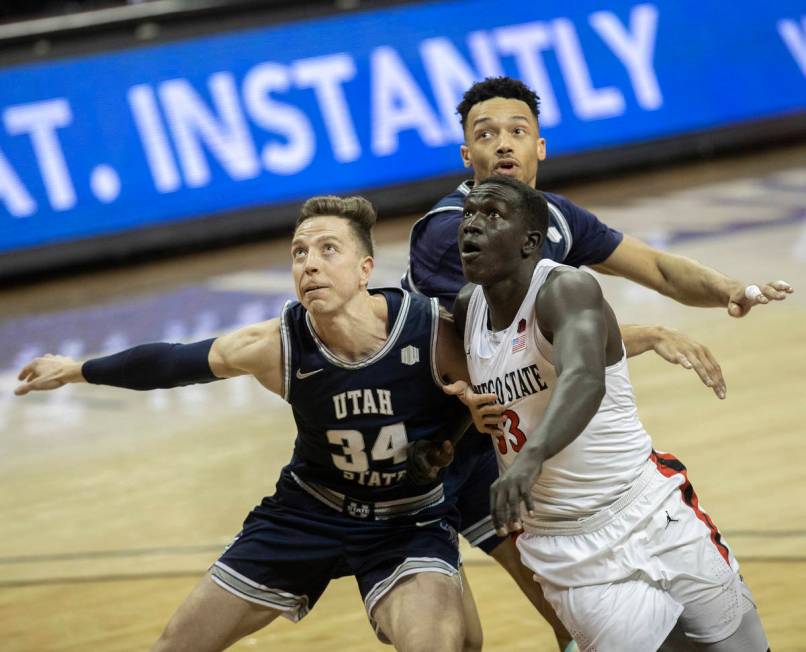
x,y
504,144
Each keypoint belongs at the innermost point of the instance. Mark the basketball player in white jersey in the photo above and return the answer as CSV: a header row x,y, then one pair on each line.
x,y
612,529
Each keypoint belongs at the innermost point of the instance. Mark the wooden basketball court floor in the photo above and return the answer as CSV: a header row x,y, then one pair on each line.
x,y
113,503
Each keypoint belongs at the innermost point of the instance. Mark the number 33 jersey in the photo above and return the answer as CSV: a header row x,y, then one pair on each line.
x,y
355,419
601,464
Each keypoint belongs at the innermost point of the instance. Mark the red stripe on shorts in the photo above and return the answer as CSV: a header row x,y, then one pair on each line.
x,y
669,465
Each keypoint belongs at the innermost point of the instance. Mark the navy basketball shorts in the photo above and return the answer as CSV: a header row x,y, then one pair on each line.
x,y
292,545
467,483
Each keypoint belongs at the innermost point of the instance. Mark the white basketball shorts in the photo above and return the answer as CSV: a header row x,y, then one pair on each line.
x,y
620,579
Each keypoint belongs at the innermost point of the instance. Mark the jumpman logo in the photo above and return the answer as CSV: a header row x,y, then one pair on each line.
x,y
669,519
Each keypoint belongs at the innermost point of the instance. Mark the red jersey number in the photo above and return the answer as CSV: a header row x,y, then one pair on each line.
x,y
514,435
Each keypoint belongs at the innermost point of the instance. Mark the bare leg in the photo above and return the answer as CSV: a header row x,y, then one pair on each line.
x,y
423,613
211,619
750,637
508,556
474,637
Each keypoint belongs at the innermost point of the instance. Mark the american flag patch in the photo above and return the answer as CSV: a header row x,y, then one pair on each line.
x,y
519,343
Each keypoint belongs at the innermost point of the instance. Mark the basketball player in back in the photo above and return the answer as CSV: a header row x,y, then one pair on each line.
x,y
612,529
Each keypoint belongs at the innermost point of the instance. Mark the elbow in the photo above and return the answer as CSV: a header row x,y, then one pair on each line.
x,y
590,386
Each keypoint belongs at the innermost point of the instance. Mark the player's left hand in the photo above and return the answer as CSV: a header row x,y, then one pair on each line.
x,y
484,408
743,299
513,488
677,348
426,458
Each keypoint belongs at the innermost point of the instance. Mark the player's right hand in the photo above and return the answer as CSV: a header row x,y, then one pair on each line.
x,y
48,372
513,489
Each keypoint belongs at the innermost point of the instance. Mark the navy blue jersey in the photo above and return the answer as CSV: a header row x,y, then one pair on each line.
x,y
575,237
355,419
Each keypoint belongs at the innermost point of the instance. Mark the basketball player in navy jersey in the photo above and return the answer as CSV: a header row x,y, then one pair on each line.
x,y
612,529
502,136
363,371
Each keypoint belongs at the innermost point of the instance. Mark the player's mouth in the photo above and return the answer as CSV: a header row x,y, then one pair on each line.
x,y
506,166
470,250
309,289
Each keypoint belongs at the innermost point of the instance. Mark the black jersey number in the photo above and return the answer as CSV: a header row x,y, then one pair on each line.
x,y
390,443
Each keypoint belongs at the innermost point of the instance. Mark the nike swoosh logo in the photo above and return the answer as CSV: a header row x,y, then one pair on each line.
x,y
424,523
303,376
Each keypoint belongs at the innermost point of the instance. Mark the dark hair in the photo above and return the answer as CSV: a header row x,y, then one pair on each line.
x,y
505,87
532,203
359,212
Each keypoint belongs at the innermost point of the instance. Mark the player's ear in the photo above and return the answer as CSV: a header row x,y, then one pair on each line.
x,y
367,265
541,149
464,150
533,242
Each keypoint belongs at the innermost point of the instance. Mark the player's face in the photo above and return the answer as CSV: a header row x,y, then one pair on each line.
x,y
502,137
328,265
491,235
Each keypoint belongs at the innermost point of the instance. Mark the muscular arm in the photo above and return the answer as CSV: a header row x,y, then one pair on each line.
x,y
251,350
575,318
685,280
583,330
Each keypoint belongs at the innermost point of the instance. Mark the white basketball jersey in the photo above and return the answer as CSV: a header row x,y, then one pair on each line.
x,y
517,364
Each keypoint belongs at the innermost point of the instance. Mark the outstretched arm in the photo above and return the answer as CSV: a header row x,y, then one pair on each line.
x,y
687,281
574,316
251,350
677,348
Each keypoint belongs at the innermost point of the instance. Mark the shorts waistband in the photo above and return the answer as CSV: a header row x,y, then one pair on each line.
x,y
371,510
600,518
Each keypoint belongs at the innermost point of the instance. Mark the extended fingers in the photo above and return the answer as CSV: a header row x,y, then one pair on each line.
x,y
699,358
776,291
505,501
27,370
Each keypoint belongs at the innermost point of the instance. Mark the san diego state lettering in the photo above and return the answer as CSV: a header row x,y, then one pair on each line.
x,y
514,384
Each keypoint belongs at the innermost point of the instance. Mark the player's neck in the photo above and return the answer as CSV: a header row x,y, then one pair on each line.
x,y
504,298
356,331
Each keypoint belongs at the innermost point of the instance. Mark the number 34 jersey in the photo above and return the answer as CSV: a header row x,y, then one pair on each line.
x,y
355,419
601,464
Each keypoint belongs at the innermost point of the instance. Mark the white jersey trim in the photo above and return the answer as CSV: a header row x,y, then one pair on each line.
x,y
563,224
394,334
285,341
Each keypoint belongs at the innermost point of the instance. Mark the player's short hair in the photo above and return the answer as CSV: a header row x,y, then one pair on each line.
x,y
505,87
532,204
359,212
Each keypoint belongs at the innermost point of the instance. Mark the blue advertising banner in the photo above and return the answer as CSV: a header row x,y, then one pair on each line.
x,y
109,143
